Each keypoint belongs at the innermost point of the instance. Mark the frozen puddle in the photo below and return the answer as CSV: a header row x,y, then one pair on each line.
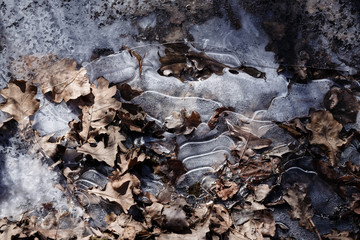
x,y
27,183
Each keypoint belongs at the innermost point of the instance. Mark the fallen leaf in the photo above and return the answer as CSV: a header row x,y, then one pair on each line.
x,y
220,219
63,80
226,189
343,105
325,131
20,102
337,235
120,191
130,159
103,111
215,117
261,191
300,206
105,153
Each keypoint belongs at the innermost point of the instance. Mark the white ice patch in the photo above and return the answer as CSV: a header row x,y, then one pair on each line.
x,y
26,183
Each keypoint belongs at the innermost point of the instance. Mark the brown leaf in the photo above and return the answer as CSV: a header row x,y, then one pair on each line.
x,y
103,111
127,92
261,191
120,191
300,206
63,80
342,104
337,235
226,189
20,102
130,159
220,219
325,131
48,147
261,225
105,153
175,218
215,117
183,122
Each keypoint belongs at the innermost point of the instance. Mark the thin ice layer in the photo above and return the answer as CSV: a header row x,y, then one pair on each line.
x,y
197,148
52,118
161,106
298,101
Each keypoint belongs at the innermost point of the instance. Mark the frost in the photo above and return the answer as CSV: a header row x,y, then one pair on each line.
x,y
26,182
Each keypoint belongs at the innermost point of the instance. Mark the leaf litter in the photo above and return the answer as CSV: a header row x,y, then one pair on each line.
x,y
109,156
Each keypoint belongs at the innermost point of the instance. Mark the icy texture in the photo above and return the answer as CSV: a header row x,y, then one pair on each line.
x,y
52,118
196,148
194,176
298,101
161,106
25,181
115,68
213,159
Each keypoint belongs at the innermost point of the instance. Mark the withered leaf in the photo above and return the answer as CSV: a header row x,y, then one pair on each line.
x,y
342,104
63,80
220,219
226,189
130,159
120,191
215,117
127,92
20,102
103,111
105,153
300,205
337,235
325,131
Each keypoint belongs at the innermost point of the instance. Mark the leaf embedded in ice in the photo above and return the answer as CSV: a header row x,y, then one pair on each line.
x,y
63,80
325,131
103,111
106,153
120,191
20,102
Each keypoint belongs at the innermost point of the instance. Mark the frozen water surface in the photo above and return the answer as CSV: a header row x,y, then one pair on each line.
x,y
76,28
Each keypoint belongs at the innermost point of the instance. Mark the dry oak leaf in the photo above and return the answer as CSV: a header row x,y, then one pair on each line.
x,y
220,219
105,153
325,131
130,159
103,111
63,80
120,191
20,102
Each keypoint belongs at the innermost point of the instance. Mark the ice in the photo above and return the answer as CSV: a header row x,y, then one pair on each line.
x,y
196,148
161,106
211,159
26,182
53,118
194,176
298,101
115,68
